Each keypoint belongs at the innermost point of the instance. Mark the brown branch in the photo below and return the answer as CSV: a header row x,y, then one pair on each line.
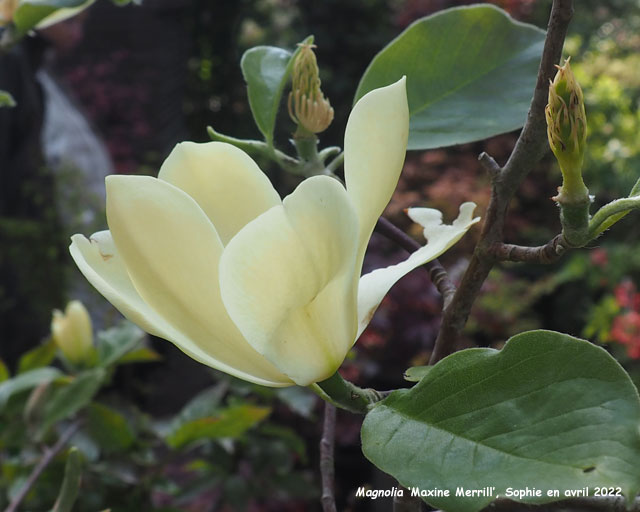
x,y
530,147
550,252
47,457
437,273
327,470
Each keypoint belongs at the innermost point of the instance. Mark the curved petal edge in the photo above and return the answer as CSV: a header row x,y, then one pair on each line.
x,y
375,285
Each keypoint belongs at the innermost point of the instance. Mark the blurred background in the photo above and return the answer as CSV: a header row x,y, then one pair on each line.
x,y
113,90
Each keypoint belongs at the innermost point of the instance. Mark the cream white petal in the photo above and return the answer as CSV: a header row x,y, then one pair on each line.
x,y
171,252
99,261
287,280
223,180
375,144
375,285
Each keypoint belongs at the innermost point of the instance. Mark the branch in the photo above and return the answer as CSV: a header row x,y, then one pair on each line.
x,y
530,147
326,458
437,273
47,458
550,252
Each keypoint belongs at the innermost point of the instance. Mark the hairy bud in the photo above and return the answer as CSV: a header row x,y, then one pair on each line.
x,y
567,130
308,107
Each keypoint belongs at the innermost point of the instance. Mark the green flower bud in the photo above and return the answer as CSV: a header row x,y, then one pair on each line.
x,y
567,132
73,333
308,107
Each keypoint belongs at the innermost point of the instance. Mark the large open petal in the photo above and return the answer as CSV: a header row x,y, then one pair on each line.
x,y
99,261
223,180
287,280
171,252
375,285
375,144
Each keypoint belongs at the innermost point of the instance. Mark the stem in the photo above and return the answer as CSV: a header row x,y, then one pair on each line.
x,y
47,458
327,470
335,163
529,149
551,252
258,147
619,207
307,148
346,395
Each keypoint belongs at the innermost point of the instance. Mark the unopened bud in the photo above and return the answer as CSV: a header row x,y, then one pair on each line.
x,y
567,130
307,105
72,332
7,8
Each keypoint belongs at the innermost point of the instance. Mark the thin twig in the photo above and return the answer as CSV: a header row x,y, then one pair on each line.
x,y
48,456
327,469
490,165
530,147
550,252
437,273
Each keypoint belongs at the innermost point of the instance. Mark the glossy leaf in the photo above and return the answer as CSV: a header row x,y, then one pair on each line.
x,y
266,69
109,428
37,357
547,411
232,422
470,72
68,400
25,381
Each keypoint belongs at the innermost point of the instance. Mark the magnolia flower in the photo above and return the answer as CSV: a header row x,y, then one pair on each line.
x,y
209,257
72,332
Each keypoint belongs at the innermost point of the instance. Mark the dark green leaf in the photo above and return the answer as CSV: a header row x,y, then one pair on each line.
x,y
470,72
109,428
69,399
266,69
71,483
26,381
232,422
547,411
38,357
